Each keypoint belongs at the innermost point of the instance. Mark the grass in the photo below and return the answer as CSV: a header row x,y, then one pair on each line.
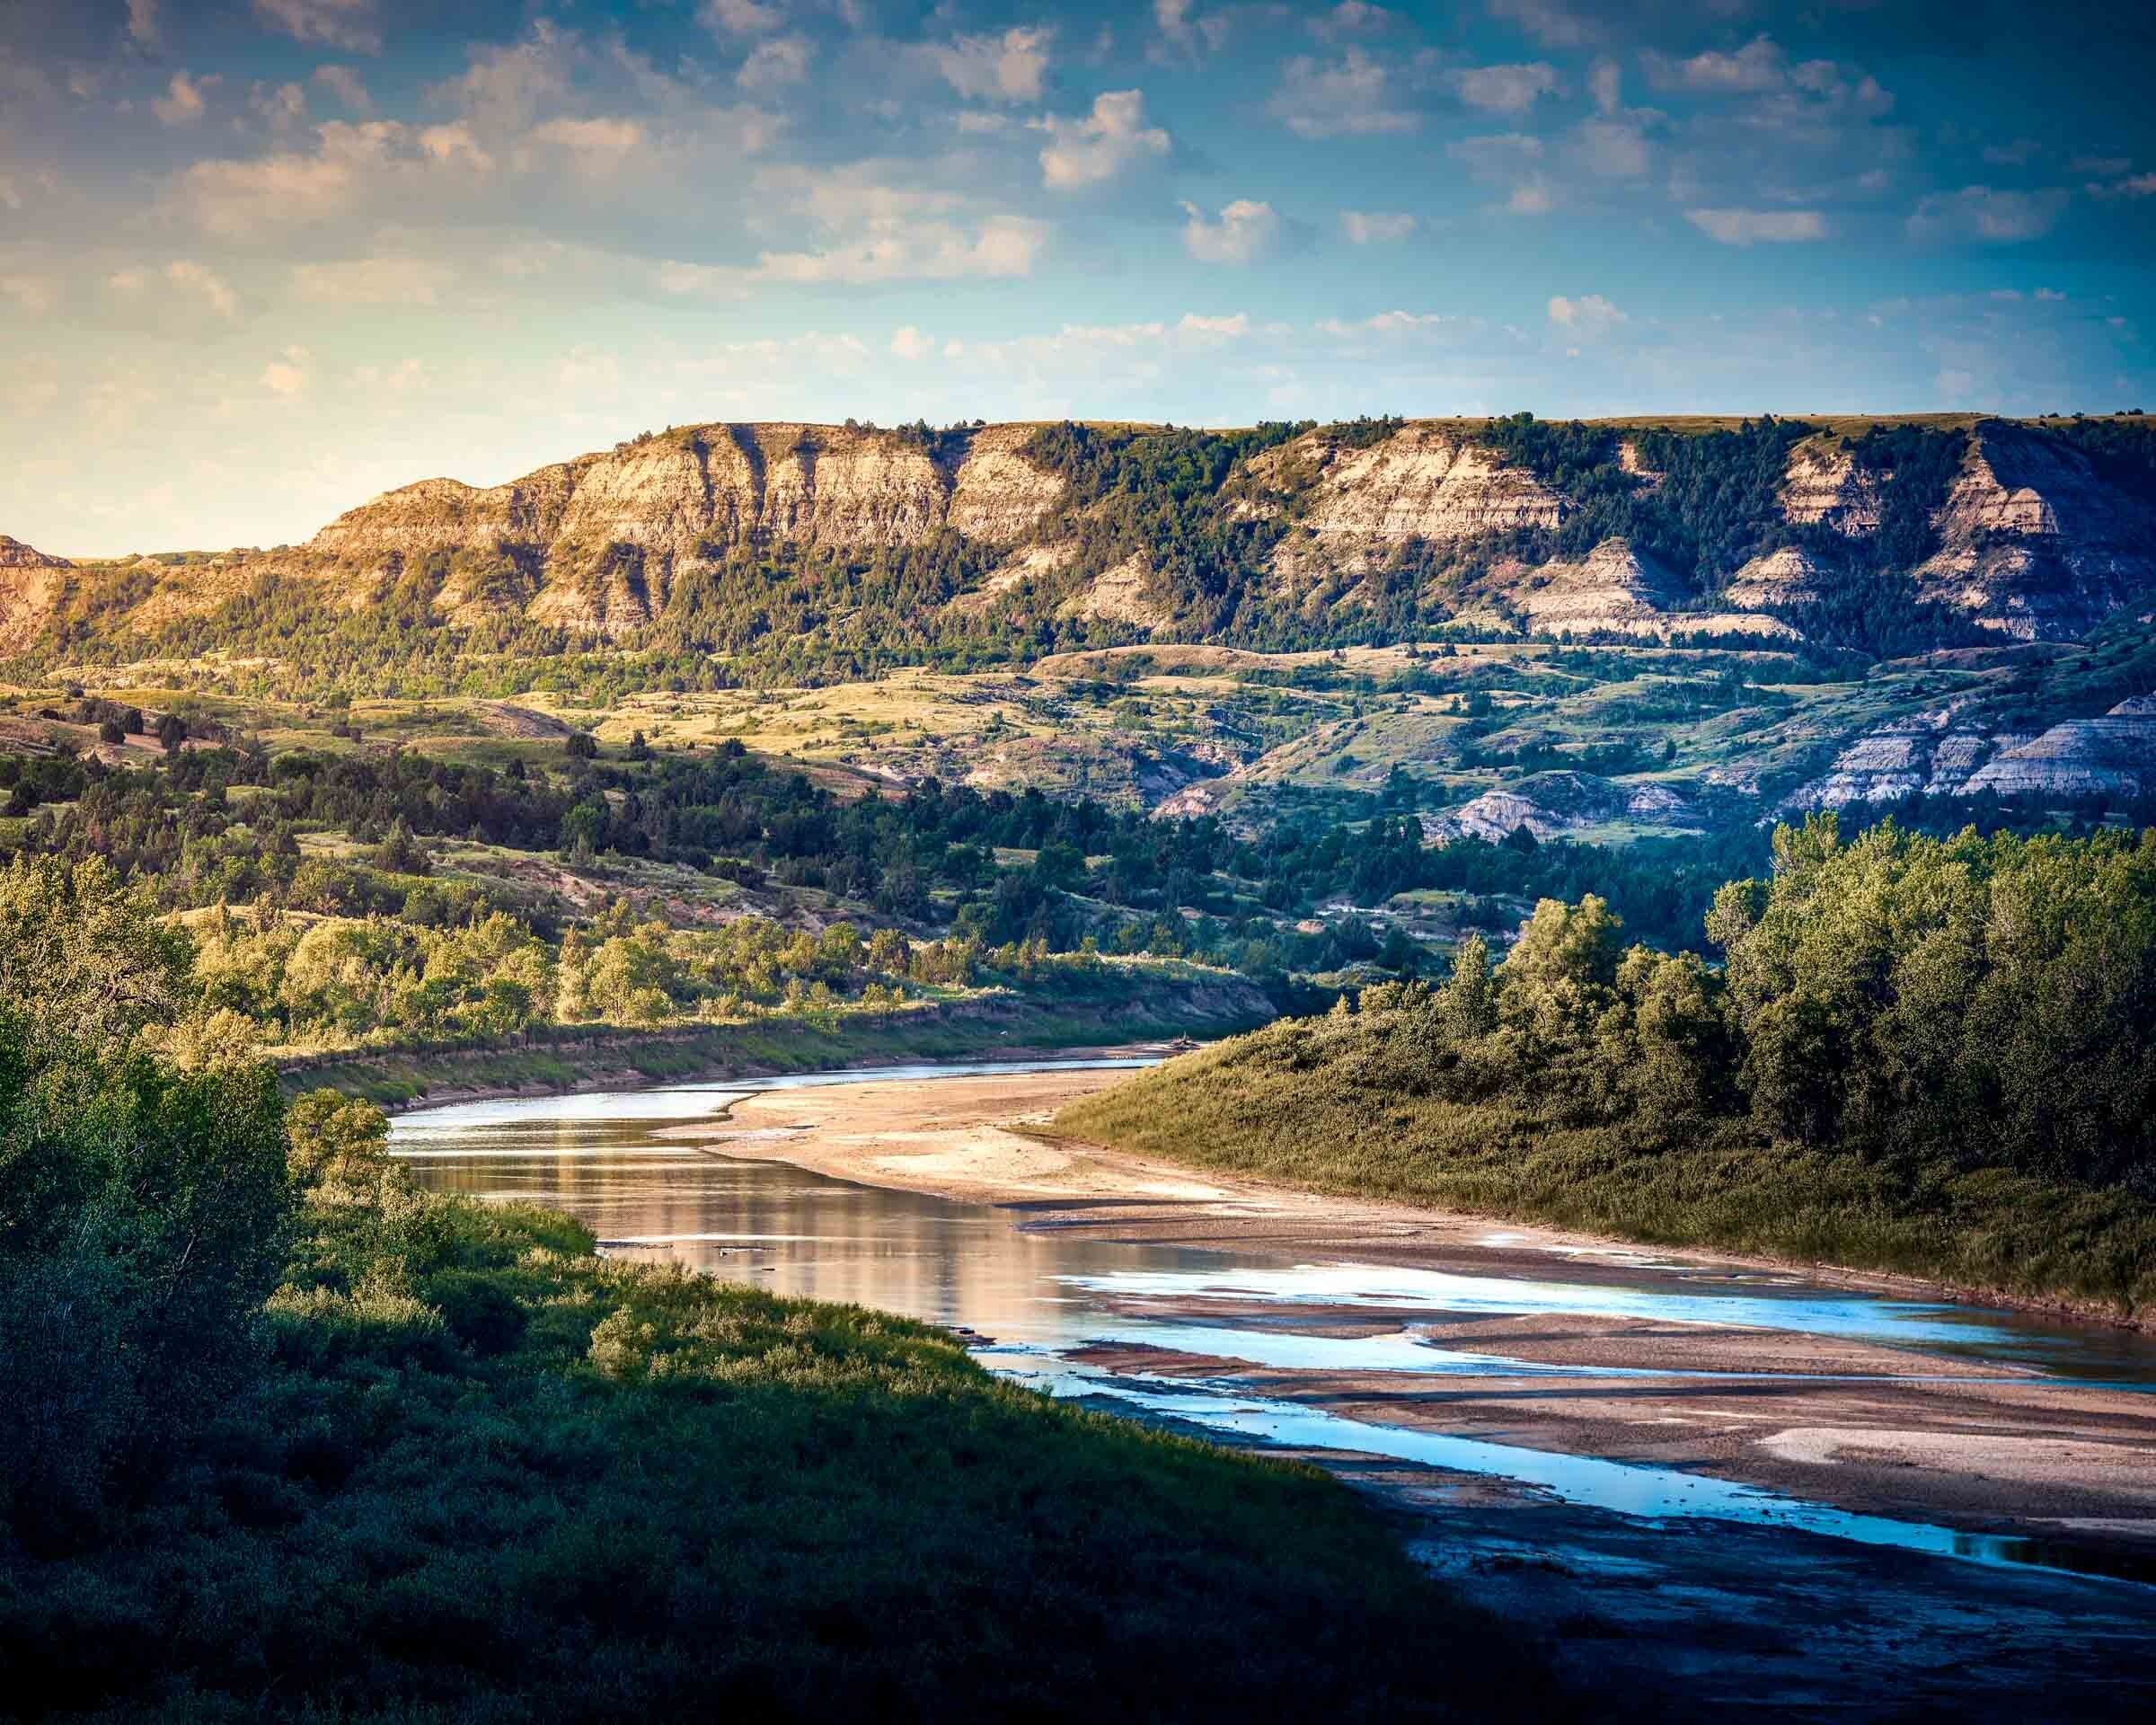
x,y
1282,1105
987,1025
489,1476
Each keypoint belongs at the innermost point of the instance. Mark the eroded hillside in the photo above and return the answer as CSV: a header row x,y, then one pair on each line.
x,y
855,545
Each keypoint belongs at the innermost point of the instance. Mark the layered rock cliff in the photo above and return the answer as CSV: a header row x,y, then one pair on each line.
x,y
2029,539
30,584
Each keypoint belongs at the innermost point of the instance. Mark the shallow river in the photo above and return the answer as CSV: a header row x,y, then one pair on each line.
x,y
1035,1298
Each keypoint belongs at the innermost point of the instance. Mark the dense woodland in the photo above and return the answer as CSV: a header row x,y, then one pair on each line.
x,y
1930,1055
286,1438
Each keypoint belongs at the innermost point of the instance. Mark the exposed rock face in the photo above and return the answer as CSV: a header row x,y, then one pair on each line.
x,y
1824,487
1551,805
2033,544
2113,756
1937,753
1123,594
1614,590
30,584
1425,483
1932,754
610,533
1787,577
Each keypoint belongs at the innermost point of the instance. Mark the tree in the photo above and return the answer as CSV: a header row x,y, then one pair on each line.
x,y
172,732
581,745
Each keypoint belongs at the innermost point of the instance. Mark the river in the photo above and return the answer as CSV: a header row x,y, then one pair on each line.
x,y
1346,1358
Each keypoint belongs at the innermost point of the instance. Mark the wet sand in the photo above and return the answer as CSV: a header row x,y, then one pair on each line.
x,y
1988,1445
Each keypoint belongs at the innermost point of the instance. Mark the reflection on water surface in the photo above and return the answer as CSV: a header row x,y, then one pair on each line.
x,y
1041,1295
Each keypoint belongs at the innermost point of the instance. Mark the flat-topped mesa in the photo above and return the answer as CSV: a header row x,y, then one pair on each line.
x,y
701,491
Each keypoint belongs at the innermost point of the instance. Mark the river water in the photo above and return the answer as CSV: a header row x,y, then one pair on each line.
x,y
1033,1298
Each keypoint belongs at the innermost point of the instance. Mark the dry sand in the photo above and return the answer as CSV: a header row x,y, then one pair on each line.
x,y
1883,1430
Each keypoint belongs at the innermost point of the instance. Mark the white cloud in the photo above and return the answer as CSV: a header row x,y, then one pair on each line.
x,y
1178,24
34,294
1551,23
994,69
2017,153
1502,88
341,23
2049,295
2141,185
738,17
1375,226
1981,214
181,275
1352,18
1229,327
1757,65
1244,230
352,161
286,374
1388,323
1353,96
142,21
282,106
1606,81
199,278
373,282
1756,227
894,236
183,103
595,148
1588,315
1085,152
344,84
1510,160
781,60
908,343
1614,148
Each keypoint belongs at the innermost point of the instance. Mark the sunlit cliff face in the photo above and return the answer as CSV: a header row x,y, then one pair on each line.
x,y
338,242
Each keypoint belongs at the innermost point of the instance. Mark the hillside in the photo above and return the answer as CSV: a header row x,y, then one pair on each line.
x,y
816,543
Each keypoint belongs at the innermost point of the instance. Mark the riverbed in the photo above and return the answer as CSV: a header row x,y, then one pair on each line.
x,y
1673,1462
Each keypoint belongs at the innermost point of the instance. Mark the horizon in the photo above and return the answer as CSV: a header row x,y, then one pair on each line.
x,y
1829,421
265,258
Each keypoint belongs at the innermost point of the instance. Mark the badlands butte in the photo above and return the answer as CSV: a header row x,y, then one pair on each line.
x,y
1607,630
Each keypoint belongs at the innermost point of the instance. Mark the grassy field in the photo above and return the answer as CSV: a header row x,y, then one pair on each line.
x,y
489,1476
1278,1104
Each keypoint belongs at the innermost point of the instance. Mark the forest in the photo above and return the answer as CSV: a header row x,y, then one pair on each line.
x,y
1935,1056
286,1437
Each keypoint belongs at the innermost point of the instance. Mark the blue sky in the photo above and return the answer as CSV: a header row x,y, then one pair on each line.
x,y
259,259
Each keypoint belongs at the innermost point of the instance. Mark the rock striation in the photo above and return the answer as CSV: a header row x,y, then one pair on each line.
x,y
30,585
1939,754
1551,805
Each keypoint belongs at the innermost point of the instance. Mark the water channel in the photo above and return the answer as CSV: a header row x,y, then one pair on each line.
x,y
1035,1298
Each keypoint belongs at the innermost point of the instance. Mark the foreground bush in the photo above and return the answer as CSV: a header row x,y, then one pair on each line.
x,y
487,1475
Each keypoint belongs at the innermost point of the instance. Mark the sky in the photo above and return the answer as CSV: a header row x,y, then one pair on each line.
x,y
260,260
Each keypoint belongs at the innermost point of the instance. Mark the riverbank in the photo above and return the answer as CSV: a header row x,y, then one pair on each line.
x,y
1335,1106
1872,1426
1007,1026
487,1475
